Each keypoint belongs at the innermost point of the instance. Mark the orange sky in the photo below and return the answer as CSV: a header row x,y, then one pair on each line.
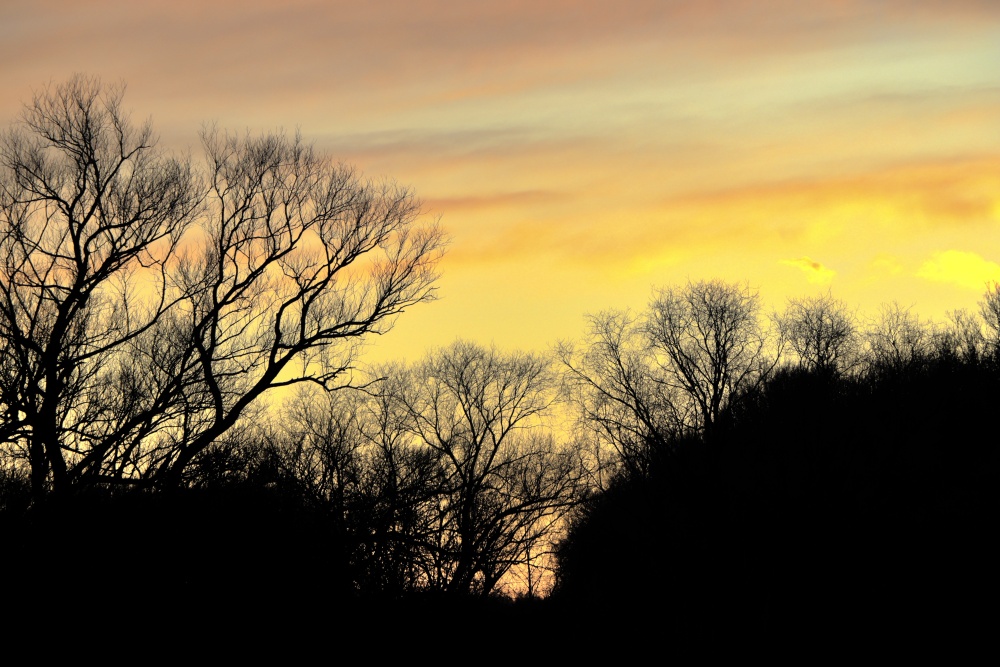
x,y
581,153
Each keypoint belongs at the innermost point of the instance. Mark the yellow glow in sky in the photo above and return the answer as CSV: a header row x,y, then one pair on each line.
x,y
581,153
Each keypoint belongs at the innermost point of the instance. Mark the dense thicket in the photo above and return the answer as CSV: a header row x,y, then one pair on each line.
x,y
824,503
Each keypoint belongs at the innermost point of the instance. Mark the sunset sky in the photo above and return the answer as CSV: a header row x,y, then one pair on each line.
x,y
581,153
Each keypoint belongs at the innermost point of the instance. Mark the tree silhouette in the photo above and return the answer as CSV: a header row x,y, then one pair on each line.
x,y
351,453
502,487
623,401
440,475
989,309
88,210
821,332
897,339
710,343
146,304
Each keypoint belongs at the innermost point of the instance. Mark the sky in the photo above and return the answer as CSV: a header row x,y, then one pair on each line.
x,y
580,154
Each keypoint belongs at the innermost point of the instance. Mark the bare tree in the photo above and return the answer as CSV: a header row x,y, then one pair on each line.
x,y
300,260
147,305
322,447
989,308
352,454
90,215
505,485
821,332
442,473
971,336
962,336
710,343
897,338
621,398
400,500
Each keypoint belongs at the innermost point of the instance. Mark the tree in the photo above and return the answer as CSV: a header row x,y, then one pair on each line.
x,y
710,343
88,208
350,454
989,308
398,509
146,304
621,398
441,474
504,484
961,337
821,332
897,339
301,260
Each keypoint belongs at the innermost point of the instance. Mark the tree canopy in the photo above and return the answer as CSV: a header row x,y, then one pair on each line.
x,y
147,301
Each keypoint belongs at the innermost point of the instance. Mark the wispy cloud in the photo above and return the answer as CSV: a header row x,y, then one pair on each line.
x,y
476,202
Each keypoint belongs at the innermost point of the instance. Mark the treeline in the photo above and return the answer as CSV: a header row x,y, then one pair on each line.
x,y
840,482
737,469
727,467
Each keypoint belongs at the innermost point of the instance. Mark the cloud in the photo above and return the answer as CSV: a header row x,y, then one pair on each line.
x,y
815,272
945,193
957,267
473,202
